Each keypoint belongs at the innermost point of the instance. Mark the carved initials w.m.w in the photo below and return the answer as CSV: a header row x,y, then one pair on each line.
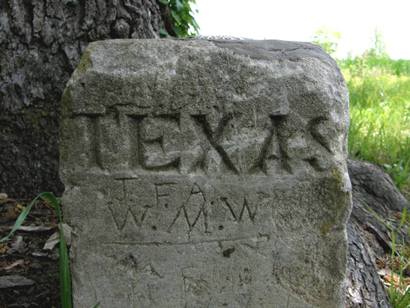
x,y
239,215
124,208
121,213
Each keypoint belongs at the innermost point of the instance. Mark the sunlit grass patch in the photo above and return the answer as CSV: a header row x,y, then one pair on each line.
x,y
380,118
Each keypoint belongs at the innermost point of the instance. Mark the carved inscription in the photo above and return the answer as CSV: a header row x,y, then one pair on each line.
x,y
172,206
192,209
214,138
123,206
245,207
154,142
266,152
172,143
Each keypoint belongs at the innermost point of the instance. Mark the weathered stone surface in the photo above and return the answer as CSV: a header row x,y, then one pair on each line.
x,y
206,174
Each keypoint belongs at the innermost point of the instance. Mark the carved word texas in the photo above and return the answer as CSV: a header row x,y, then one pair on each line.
x,y
184,144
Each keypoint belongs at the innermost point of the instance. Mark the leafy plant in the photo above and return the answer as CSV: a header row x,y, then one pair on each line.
x,y
328,40
398,299
180,14
64,265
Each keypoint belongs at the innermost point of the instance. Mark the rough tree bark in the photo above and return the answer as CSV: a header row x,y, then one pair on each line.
x,y
40,45
376,201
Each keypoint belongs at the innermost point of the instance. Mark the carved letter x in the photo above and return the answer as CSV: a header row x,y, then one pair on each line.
x,y
214,137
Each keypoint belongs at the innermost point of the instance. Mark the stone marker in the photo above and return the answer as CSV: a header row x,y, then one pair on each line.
x,y
206,174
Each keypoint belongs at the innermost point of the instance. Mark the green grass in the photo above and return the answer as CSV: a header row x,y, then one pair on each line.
x,y
380,113
397,281
399,294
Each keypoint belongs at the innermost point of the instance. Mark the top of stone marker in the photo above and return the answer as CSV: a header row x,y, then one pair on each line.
x,y
163,73
268,50
249,81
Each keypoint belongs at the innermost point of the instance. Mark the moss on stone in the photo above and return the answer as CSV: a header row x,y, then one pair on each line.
x,y
338,176
326,227
85,61
336,183
66,98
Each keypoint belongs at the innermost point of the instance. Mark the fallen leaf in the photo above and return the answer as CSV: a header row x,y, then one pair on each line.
x,y
39,254
3,248
392,278
10,213
20,207
12,281
384,272
14,264
30,228
52,241
18,245
381,263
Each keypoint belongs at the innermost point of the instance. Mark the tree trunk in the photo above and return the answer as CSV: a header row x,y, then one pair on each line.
x,y
41,42
376,202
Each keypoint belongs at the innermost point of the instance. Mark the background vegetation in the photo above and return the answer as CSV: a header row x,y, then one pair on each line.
x,y
379,107
178,18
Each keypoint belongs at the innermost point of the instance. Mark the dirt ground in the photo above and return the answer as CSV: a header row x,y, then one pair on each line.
x,y
28,272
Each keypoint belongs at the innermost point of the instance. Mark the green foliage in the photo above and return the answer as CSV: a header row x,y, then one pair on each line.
x,y
181,15
64,265
379,90
398,299
22,217
328,40
64,262
381,64
380,113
